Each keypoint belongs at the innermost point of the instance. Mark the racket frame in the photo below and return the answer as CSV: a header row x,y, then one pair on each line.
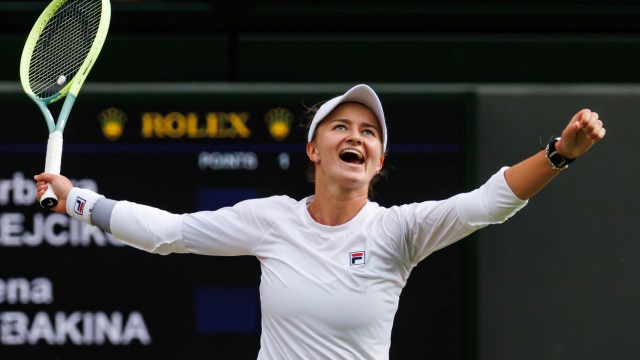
x,y
70,91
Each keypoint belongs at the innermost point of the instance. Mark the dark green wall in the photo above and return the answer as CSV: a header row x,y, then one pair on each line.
x,y
374,41
559,280
415,58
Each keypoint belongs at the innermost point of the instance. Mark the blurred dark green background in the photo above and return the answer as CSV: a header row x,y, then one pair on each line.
x,y
348,41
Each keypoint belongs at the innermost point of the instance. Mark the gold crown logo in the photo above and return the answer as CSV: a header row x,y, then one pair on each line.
x,y
279,122
112,122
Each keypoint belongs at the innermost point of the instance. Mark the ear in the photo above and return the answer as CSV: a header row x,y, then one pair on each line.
x,y
312,152
381,162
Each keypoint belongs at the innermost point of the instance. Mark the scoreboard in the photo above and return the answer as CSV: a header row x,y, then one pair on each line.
x,y
71,291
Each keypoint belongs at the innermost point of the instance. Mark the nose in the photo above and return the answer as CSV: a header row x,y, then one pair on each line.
x,y
355,140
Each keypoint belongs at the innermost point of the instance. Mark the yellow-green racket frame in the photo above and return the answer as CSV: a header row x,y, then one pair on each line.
x,y
70,90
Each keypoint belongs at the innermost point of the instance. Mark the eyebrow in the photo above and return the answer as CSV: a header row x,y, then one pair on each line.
x,y
348,121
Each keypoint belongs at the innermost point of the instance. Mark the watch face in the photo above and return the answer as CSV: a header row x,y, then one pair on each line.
x,y
557,160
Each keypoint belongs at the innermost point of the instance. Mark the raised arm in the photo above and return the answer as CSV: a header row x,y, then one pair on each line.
x,y
531,175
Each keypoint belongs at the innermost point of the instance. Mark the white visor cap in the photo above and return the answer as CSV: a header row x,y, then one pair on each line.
x,y
362,94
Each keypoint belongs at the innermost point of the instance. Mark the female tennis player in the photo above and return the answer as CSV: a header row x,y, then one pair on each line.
x,y
333,264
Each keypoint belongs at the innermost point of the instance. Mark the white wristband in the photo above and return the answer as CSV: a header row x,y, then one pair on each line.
x,y
80,203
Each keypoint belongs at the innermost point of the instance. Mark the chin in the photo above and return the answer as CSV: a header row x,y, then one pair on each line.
x,y
356,181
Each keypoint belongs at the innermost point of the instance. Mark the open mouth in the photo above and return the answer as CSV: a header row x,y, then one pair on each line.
x,y
352,156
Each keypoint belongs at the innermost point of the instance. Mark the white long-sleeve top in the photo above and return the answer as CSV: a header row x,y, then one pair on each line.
x,y
327,292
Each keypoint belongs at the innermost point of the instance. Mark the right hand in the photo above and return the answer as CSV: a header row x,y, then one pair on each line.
x,y
61,187
584,130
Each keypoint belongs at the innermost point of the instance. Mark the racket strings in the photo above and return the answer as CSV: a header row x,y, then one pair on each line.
x,y
63,46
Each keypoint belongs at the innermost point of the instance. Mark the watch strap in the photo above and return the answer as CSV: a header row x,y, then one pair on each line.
x,y
557,161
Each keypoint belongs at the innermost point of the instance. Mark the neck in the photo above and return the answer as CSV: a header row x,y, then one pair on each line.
x,y
332,209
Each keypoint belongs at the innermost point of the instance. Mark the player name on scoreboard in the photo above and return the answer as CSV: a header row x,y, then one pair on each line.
x,y
59,327
22,227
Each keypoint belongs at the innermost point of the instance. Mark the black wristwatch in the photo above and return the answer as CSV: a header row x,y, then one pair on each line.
x,y
557,161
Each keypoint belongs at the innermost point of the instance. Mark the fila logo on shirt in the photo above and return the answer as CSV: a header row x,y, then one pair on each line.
x,y
357,258
79,205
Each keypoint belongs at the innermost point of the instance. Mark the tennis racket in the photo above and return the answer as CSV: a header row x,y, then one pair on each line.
x,y
60,50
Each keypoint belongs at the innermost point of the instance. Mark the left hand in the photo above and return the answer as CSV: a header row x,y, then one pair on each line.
x,y
584,130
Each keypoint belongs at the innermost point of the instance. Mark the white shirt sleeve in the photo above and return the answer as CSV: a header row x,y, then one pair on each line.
x,y
433,225
492,203
147,228
229,231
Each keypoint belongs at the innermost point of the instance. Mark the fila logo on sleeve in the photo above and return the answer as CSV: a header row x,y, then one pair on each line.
x,y
78,207
356,258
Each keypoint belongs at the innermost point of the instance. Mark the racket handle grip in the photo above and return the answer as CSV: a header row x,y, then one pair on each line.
x,y
52,164
49,200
